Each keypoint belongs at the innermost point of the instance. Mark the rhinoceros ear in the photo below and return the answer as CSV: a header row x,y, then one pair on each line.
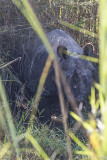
x,y
62,52
88,49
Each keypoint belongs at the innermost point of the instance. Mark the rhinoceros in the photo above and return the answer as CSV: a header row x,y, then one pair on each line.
x,y
78,72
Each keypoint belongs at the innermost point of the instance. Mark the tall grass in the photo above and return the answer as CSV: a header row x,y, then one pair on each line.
x,y
103,68
5,111
97,142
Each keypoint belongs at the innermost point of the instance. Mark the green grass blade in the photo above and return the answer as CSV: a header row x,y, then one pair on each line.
x,y
77,141
91,59
4,149
26,8
9,119
85,124
79,29
103,66
103,45
37,146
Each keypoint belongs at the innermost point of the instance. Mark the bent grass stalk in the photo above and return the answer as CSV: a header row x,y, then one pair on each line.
x,y
9,63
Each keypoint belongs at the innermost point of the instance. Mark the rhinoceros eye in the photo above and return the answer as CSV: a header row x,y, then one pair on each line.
x,y
62,52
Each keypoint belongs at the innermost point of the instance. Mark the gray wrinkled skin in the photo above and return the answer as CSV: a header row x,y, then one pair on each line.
x,y
79,73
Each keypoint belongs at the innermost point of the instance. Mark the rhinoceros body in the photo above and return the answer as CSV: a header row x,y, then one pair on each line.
x,y
78,72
